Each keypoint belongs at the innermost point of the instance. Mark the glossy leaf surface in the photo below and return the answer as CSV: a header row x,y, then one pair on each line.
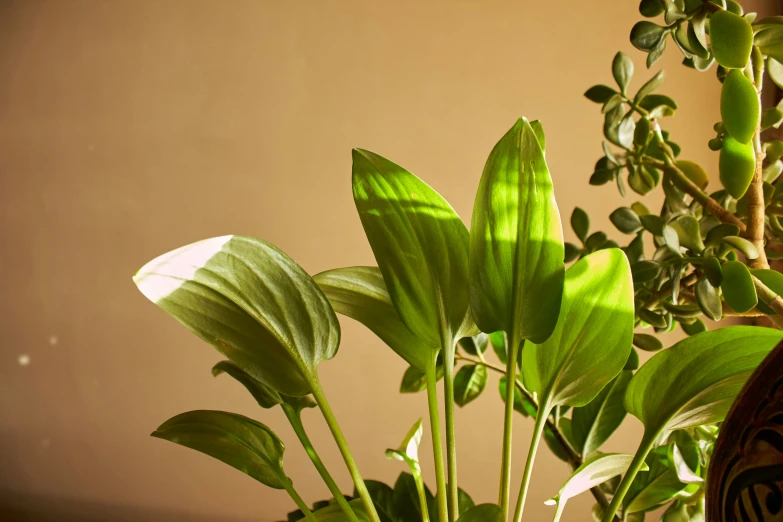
x,y
516,247
594,423
360,293
592,340
265,396
252,302
242,443
421,247
695,381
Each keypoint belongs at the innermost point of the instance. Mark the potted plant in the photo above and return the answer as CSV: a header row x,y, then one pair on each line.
x,y
565,320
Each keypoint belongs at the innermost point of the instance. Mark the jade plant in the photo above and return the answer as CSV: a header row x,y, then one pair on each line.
x,y
565,322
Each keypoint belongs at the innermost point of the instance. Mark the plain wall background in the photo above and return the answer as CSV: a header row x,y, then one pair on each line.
x,y
130,128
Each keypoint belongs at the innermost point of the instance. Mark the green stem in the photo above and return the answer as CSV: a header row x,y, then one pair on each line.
x,y
437,445
511,377
538,429
451,440
558,511
416,472
289,487
294,417
648,441
337,433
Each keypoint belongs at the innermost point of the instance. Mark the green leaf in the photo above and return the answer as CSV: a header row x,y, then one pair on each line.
x,y
770,42
242,443
406,498
600,93
671,239
731,39
687,228
360,293
421,247
694,328
593,424
482,513
712,270
593,472
474,345
641,135
747,248
655,486
648,343
775,71
646,36
658,105
265,396
469,382
708,299
739,106
622,70
653,319
571,252
653,224
625,220
695,381
693,172
580,223
718,232
334,513
633,361
773,280
252,302
644,271
408,452
650,8
592,337
652,84
738,288
516,247
498,341
415,380
596,240
383,497
655,54
771,117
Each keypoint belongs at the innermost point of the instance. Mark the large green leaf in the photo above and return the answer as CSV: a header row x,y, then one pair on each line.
x,y
470,381
695,381
360,293
592,340
516,244
421,247
252,302
482,513
242,443
593,472
593,424
265,396
656,485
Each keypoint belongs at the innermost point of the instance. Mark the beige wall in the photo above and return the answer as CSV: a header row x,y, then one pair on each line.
x,y
130,128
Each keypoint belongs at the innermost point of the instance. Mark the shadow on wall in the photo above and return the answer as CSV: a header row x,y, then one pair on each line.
x,y
15,507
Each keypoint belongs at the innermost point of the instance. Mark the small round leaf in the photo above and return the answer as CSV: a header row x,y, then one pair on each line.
x,y
738,288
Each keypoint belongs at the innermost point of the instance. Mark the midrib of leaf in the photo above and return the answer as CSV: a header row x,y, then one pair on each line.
x,y
597,418
564,364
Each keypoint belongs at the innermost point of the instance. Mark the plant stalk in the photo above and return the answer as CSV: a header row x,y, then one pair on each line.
x,y
558,511
538,430
574,460
437,445
294,417
636,464
511,376
451,440
337,433
289,487
756,217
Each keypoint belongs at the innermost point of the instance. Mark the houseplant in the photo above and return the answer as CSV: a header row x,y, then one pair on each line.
x,y
440,296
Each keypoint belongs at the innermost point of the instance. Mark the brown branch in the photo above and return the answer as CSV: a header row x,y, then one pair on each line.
x,y
574,459
756,204
772,299
690,188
